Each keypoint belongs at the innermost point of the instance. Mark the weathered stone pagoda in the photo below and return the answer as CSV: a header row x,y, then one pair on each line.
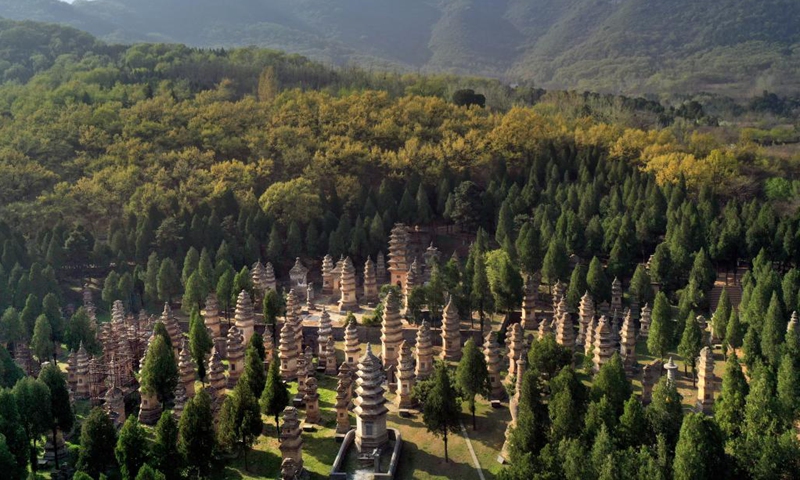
x,y
298,275
644,321
370,283
173,328
352,345
405,377
706,381
585,316
82,374
327,275
627,344
399,256
516,348
287,352
616,296
323,333
424,352
291,441
215,374
380,269
603,344
348,301
370,408
211,319
187,369
391,334
545,328
491,352
565,334
343,397
451,333
269,273
245,319
330,357
311,401
528,320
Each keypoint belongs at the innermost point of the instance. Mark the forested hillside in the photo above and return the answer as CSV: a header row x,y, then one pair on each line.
x,y
735,47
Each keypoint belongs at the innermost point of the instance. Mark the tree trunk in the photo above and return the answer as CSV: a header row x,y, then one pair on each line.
x,y
472,409
244,447
277,428
446,459
55,446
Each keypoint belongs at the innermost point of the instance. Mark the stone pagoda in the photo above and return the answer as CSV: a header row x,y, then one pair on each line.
x,y
627,344
211,319
327,275
337,276
287,352
405,377
672,370
391,334
424,352
245,319
545,328
187,369
528,320
706,382
513,407
644,321
323,333
370,408
330,357
451,332
412,280
603,344
585,316
348,301
236,348
269,274
72,368
291,441
516,348
150,407
616,296
310,305
215,374
82,387
352,345
494,364
259,278
180,402
311,401
302,376
343,397
588,347
370,284
380,271
399,256
298,275
565,334
295,320
173,328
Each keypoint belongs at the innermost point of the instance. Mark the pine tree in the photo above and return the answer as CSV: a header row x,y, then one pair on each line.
x,y
481,293
60,406
194,294
131,448
42,342
239,419
611,382
151,279
577,287
79,330
661,265
241,281
407,209
472,376
665,413
11,429
691,343
660,336
602,451
699,453
505,282
196,434
719,321
33,306
165,455
566,406
224,291
294,240
98,439
733,331
424,210
440,412
773,332
789,389
168,281
34,406
275,396
271,310
205,269
633,429
111,288
505,224
641,287
11,329
554,265
200,343
254,375
597,282
159,373
703,271
190,264
148,473
529,249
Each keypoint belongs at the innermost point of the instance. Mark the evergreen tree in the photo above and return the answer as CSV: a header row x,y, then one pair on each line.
x,y
597,282
407,209
60,406
149,473
239,420
719,321
472,376
159,373
577,287
131,449
190,264
548,357
271,310
529,249
275,244
33,307
481,292
555,263
703,271
424,210
665,413
611,382
125,289
633,429
11,329
111,288
165,455
254,375
151,279
641,287
733,331
224,291
169,283
33,402
699,453
530,433
505,282
205,269
505,224
11,429
52,310
194,295
440,411
294,240
789,389
42,342
660,335
567,404
98,439
661,265
196,434
275,396
602,452
200,343
79,330
751,346
691,343
773,331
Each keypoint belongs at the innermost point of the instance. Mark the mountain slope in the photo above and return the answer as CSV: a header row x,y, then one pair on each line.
x,y
736,47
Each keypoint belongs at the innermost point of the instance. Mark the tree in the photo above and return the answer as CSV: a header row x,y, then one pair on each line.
x,y
665,413
11,429
196,434
529,250
271,310
691,343
32,398
733,331
505,281
239,419
597,282
530,433
731,401
225,291
472,376
275,396
169,284
149,473
206,271
440,411
480,291
699,453
788,389
111,288
467,98
190,264
424,210
641,286
554,265
661,264
548,357
254,376
296,200
8,463
42,342
633,429
131,448
98,440
566,406
165,454
52,310
151,279
611,382
772,332
159,373
28,316
11,329
60,405
703,271
466,207
200,343
660,335
577,287
194,294
719,320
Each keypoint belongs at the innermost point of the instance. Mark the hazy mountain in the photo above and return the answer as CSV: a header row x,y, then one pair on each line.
x,y
729,46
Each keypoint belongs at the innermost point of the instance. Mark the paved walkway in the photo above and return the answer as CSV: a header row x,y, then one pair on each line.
x,y
471,451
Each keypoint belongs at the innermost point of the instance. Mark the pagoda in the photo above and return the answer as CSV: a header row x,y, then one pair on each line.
x,y
370,408
451,333
347,287
424,352
398,256
603,344
245,319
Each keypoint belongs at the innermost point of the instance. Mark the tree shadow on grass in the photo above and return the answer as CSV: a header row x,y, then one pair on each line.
x,y
261,464
413,460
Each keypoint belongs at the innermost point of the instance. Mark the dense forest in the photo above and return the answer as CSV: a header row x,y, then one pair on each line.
x,y
166,171
733,47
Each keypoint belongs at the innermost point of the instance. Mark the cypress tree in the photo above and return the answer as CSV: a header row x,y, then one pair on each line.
x,y
729,406
440,411
660,327
159,373
577,287
205,269
633,429
190,264
424,210
641,286
165,454
148,473
719,321
554,265
733,331
472,376
691,343
111,288
131,448
597,282
200,343
788,389
612,383
665,413
168,281
196,434
151,279
194,294
60,406
254,375
699,453
275,396
98,440
239,419
773,331
42,341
